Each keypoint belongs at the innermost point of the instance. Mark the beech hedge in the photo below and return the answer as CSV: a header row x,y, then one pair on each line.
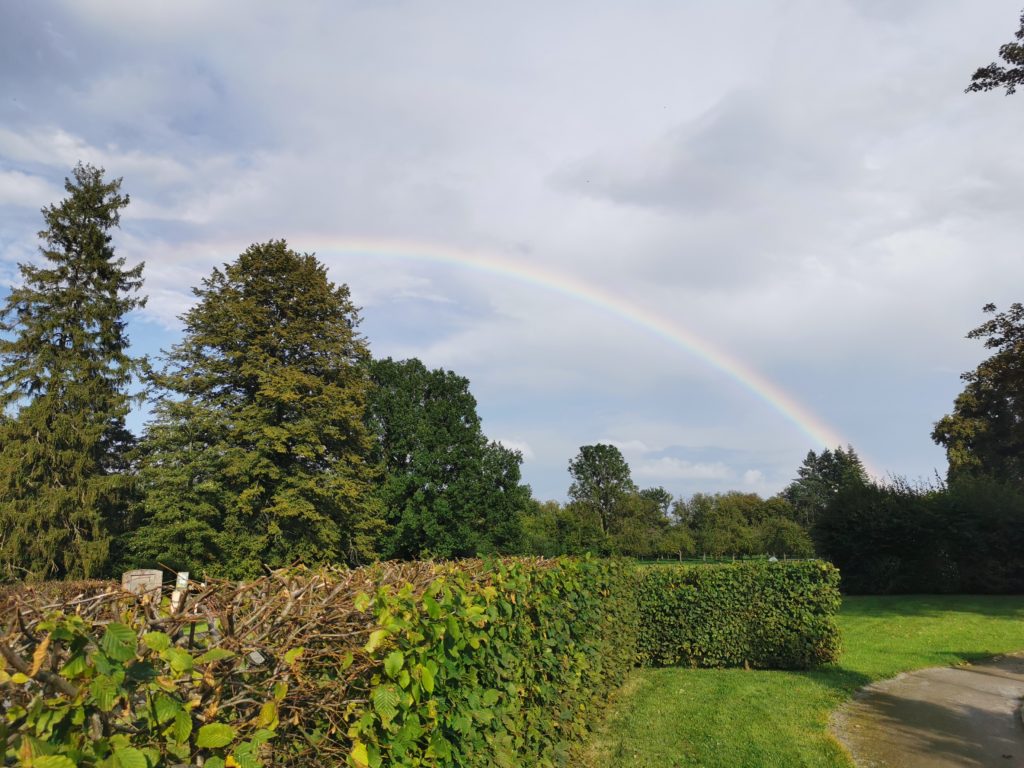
x,y
422,664
475,663
754,614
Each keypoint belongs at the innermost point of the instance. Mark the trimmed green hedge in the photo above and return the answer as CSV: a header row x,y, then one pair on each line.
x,y
496,663
474,663
755,614
497,668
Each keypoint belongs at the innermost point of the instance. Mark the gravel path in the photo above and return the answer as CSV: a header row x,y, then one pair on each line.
x,y
945,717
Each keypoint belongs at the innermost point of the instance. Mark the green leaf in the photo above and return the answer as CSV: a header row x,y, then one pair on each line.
x,y
362,602
119,642
156,641
214,735
214,762
179,659
426,678
385,702
129,757
393,664
215,654
166,708
75,666
52,761
104,692
293,655
182,727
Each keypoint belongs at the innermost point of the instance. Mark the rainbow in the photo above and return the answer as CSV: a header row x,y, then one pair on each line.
x,y
820,433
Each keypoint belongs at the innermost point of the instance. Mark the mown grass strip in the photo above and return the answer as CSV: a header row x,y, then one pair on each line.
x,y
702,717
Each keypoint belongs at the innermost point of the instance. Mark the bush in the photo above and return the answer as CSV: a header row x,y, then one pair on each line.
x,y
469,664
756,614
497,663
902,539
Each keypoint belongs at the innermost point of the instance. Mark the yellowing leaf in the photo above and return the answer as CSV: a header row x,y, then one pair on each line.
x,y
359,756
39,656
376,638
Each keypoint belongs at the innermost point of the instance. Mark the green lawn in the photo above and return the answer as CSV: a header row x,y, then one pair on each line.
x,y
701,717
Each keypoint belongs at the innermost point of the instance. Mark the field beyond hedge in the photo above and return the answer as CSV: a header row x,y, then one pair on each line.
x,y
731,717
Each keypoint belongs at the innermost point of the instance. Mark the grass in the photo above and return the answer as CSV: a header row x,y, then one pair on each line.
x,y
703,717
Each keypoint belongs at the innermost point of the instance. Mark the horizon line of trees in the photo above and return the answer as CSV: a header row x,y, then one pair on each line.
x,y
277,438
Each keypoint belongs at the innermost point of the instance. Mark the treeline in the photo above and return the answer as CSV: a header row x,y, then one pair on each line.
x,y
607,513
275,437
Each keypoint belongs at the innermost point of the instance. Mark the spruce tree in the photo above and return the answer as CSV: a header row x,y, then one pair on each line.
x,y
257,453
64,374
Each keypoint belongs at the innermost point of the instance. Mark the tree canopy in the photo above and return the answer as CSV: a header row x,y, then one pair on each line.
x,y
447,491
984,435
258,452
998,76
601,483
819,478
65,370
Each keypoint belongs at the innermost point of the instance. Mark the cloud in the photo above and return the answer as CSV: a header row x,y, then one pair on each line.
x,y
830,209
668,468
518,445
23,189
753,477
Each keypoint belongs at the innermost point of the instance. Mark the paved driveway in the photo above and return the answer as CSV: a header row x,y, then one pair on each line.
x,y
945,717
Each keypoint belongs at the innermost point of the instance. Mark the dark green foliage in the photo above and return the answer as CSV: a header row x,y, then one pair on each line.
x,y
820,478
985,433
764,615
601,483
64,374
447,491
982,523
998,76
258,453
899,539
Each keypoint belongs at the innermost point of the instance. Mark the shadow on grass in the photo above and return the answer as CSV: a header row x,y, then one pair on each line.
x,y
885,606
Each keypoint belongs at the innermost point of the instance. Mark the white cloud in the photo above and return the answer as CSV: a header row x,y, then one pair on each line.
x,y
753,477
832,210
23,189
668,468
518,445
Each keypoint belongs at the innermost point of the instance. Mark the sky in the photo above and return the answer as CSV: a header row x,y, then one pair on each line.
x,y
716,235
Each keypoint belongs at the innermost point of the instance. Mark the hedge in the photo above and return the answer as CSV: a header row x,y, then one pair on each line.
x,y
467,664
754,614
498,663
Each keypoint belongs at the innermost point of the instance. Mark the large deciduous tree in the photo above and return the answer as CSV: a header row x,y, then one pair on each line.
x,y
601,483
447,491
65,370
985,433
998,76
258,452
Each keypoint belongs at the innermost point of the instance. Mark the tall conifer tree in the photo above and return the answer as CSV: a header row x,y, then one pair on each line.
x,y
257,453
64,374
